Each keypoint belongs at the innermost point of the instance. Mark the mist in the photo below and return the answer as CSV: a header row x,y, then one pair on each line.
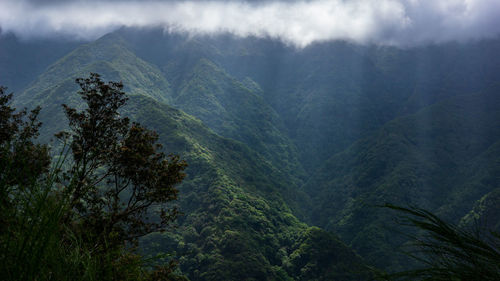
x,y
298,23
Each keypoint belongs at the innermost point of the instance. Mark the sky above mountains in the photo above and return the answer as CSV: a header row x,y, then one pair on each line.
x,y
298,23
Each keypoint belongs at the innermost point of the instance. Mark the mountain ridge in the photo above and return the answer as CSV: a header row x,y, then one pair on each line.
x,y
315,137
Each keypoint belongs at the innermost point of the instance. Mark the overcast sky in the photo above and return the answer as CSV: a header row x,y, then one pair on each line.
x,y
385,22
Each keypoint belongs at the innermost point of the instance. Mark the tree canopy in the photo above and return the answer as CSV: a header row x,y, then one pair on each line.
x,y
81,217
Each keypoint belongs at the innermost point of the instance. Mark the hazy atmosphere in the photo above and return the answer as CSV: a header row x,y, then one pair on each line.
x,y
299,23
228,140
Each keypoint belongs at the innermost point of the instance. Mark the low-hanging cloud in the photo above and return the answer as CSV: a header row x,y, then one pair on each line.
x,y
300,23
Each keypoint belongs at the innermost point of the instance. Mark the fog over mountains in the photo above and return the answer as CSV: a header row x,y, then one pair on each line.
x,y
298,23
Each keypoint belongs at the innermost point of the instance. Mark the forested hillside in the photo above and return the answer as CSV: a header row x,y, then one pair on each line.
x,y
236,223
290,150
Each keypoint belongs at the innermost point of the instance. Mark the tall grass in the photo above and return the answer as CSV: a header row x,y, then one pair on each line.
x,y
40,240
448,252
34,243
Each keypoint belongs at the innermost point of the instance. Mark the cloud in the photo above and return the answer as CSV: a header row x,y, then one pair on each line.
x,y
385,22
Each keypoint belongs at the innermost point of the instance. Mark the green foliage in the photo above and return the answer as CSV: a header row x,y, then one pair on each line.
x,y
31,238
21,160
485,212
449,252
118,182
83,223
319,255
117,176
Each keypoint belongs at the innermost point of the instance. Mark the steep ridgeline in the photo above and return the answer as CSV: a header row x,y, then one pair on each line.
x,y
235,110
57,84
443,158
325,97
231,104
328,95
237,224
106,55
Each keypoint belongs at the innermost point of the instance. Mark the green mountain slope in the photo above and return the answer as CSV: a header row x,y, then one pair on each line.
x,y
483,174
234,107
236,224
106,55
439,158
325,97
236,111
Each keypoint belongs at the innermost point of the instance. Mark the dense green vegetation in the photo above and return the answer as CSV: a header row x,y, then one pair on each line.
x,y
81,218
236,221
435,165
281,139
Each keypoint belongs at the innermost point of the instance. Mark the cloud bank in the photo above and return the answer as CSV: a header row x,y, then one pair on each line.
x,y
299,23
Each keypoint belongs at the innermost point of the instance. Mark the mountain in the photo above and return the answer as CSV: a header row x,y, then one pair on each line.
x,y
329,95
442,158
237,224
292,150
235,110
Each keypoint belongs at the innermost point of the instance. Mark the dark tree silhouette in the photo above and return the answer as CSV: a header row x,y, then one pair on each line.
x,y
119,182
21,160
